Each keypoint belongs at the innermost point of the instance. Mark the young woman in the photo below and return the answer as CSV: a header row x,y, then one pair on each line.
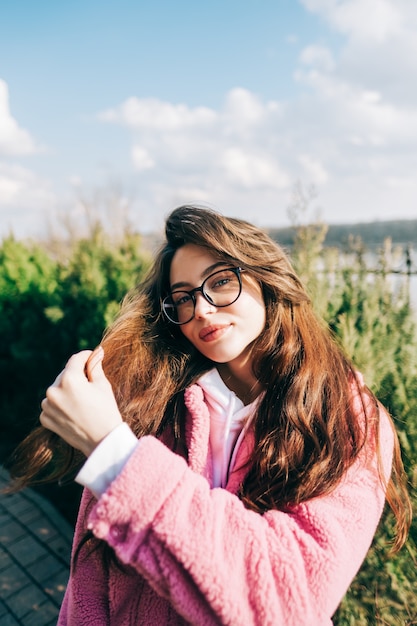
x,y
237,465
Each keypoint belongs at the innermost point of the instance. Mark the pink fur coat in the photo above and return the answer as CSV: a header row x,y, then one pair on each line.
x,y
196,555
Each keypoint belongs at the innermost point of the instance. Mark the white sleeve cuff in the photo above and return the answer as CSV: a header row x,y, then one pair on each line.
x,y
108,459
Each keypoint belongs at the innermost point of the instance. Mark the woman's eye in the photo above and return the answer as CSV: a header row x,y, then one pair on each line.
x,y
221,282
181,299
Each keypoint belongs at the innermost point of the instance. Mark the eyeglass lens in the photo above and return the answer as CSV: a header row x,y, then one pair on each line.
x,y
220,289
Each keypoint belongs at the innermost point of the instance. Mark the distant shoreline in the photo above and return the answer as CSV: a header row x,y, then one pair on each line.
x,y
401,232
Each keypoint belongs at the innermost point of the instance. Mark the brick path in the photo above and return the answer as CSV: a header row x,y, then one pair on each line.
x,y
35,544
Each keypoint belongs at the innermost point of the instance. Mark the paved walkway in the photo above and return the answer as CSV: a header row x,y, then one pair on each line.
x,y
35,545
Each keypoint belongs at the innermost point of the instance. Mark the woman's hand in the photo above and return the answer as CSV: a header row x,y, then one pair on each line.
x,y
80,405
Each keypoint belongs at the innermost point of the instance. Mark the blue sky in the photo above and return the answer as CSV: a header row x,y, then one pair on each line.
x,y
233,104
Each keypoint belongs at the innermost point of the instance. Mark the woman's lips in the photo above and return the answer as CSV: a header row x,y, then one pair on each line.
x,y
213,332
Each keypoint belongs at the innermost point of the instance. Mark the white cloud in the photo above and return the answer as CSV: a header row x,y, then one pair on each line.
x,y
253,171
214,154
345,138
14,141
150,113
19,184
363,114
358,111
25,200
242,109
380,44
313,169
141,158
318,56
371,20
9,189
24,196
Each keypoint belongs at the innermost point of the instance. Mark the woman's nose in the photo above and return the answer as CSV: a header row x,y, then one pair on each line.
x,y
202,306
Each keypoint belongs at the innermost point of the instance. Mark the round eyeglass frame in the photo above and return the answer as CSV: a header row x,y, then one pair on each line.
x,y
236,270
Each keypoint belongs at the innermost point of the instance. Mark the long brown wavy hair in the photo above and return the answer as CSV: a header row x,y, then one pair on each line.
x,y
306,432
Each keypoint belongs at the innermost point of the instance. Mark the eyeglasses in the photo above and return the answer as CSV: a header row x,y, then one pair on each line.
x,y
220,289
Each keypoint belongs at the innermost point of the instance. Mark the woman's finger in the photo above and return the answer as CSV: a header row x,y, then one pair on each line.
x,y
93,360
58,379
77,361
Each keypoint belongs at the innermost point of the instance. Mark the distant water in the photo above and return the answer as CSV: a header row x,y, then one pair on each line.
x,y
399,264
413,288
397,277
401,279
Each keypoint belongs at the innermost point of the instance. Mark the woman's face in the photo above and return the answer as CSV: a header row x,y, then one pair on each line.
x,y
224,334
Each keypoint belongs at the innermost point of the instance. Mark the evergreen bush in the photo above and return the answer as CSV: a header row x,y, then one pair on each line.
x,y
374,321
52,307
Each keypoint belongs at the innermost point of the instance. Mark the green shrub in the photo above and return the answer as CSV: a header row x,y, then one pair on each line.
x,y
28,284
51,308
377,326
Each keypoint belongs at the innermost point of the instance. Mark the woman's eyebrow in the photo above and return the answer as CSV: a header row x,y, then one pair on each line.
x,y
207,272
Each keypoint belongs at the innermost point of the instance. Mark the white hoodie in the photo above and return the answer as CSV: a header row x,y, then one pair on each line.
x,y
229,420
